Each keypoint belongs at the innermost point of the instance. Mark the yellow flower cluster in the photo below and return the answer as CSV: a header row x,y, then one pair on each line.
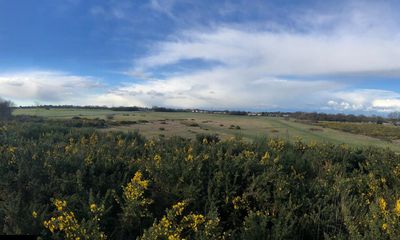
x,y
382,204
12,149
71,147
178,208
93,208
240,203
190,155
157,159
67,223
276,144
397,208
174,225
149,144
194,221
167,228
385,227
265,158
60,205
88,160
248,154
134,190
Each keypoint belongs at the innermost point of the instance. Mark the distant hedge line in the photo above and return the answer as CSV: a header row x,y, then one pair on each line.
x,y
384,132
77,183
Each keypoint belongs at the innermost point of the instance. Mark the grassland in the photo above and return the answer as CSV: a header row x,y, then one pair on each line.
x,y
186,124
384,132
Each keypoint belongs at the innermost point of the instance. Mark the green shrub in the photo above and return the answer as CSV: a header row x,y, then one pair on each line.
x,y
233,189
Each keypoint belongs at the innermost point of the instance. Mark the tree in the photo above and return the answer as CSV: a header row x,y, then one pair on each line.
x,y
6,108
394,115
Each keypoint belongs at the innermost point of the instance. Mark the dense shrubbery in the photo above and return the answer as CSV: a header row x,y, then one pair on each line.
x,y
68,183
383,132
339,117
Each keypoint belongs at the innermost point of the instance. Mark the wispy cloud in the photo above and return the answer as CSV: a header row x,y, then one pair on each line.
x,y
164,6
280,53
111,10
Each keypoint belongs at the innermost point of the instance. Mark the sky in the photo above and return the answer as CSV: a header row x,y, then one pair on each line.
x,y
270,55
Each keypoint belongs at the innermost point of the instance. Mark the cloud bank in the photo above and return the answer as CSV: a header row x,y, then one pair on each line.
x,y
46,87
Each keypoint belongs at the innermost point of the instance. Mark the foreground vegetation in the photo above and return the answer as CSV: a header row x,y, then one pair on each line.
x,y
78,183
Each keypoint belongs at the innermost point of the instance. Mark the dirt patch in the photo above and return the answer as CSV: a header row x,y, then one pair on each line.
x,y
316,129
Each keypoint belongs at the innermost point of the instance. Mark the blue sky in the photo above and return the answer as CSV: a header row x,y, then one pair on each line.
x,y
333,56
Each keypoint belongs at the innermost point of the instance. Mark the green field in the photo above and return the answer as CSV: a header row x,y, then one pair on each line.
x,y
186,124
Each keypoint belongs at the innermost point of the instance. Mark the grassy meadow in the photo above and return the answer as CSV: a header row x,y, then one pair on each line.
x,y
188,125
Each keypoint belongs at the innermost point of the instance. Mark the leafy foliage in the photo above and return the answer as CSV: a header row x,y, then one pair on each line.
x,y
122,186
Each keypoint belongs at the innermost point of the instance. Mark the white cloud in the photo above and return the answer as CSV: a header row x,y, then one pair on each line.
x,y
365,100
387,104
281,53
225,88
45,87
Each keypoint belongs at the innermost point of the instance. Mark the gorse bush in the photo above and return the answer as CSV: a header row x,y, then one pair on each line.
x,y
65,182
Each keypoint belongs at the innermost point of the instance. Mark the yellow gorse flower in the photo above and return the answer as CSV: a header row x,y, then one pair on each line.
x,y
93,207
66,222
385,227
248,154
176,225
179,207
189,157
12,149
265,158
157,159
138,180
174,236
194,221
397,208
134,190
60,205
382,204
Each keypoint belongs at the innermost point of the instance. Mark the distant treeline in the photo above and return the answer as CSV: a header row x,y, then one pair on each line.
x,y
339,117
121,108
133,108
310,116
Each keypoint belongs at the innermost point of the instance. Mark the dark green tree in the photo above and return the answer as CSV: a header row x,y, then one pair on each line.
x,y
6,108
